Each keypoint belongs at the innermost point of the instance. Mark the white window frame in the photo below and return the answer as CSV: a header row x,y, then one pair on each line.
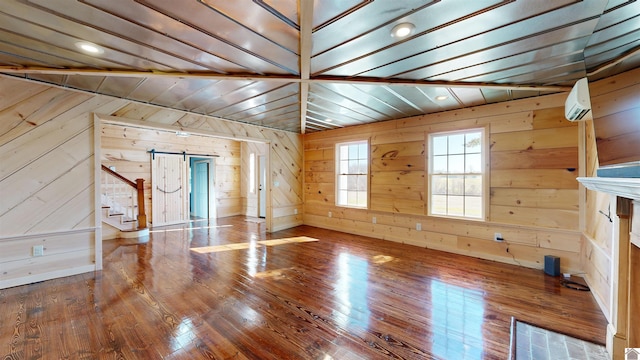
x,y
483,175
339,197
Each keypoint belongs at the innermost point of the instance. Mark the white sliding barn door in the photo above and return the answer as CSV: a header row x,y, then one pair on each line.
x,y
169,183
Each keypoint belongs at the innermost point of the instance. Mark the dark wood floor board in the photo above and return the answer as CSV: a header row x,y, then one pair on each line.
x,y
341,297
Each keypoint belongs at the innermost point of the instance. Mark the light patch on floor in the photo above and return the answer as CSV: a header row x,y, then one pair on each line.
x,y
277,273
381,259
297,239
247,245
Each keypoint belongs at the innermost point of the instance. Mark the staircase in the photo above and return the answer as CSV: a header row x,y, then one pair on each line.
x,y
123,215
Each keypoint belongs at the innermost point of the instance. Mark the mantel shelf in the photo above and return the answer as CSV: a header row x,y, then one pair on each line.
x,y
624,187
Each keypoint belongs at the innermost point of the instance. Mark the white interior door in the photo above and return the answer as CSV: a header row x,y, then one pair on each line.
x,y
262,186
200,190
169,189
203,197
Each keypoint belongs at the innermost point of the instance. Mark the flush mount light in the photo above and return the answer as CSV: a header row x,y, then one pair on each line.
x,y
442,97
182,134
329,120
89,48
402,30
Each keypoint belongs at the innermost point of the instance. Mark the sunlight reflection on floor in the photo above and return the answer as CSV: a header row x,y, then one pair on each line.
x,y
242,246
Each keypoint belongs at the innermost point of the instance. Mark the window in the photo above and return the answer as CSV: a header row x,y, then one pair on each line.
x,y
352,173
456,164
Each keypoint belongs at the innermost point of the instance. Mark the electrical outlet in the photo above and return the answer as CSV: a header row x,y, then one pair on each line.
x,y
329,215
374,220
418,226
295,211
498,237
38,250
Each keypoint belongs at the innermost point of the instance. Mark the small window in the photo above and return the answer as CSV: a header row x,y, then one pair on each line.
x,y
352,169
456,174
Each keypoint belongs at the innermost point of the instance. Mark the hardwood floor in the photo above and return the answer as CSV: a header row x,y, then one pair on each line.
x,y
218,291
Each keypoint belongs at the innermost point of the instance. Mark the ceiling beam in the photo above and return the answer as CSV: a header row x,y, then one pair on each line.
x,y
306,35
147,74
279,78
442,84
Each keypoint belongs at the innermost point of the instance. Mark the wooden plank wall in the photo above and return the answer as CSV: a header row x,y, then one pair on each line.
x,y
284,155
533,191
612,100
616,111
125,147
47,188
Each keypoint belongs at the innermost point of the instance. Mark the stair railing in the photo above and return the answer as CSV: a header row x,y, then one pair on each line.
x,y
124,196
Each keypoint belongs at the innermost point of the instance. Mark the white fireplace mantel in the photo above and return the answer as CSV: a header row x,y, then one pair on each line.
x,y
624,187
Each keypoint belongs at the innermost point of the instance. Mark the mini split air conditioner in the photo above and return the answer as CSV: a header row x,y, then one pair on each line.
x,y
578,104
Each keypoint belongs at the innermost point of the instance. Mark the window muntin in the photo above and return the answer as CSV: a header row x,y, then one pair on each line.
x,y
352,171
456,176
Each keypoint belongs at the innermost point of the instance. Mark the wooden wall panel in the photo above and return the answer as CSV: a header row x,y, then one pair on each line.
x,y
74,257
566,199
618,136
533,199
616,113
47,182
389,159
556,158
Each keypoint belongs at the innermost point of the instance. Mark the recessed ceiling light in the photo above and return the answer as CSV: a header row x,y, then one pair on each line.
x,y
402,30
89,48
329,120
441,97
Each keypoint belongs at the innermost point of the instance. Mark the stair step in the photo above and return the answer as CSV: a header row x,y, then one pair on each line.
x,y
142,234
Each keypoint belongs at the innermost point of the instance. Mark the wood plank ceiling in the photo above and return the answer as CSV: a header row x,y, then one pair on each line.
x,y
305,65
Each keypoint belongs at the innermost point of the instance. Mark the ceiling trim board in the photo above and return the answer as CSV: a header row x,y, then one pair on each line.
x,y
279,78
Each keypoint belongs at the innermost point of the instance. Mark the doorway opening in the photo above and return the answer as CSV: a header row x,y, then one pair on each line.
x,y
202,199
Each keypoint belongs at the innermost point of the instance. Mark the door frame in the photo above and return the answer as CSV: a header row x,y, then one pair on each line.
x,y
211,186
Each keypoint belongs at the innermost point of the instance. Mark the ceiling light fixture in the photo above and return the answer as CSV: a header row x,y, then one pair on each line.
x,y
402,30
89,48
182,134
442,97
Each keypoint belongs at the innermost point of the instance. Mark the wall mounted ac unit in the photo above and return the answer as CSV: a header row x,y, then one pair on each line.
x,y
578,104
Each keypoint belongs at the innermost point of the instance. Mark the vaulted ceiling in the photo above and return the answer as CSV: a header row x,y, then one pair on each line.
x,y
307,65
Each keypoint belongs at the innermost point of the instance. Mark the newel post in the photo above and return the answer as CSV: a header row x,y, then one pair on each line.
x,y
142,215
